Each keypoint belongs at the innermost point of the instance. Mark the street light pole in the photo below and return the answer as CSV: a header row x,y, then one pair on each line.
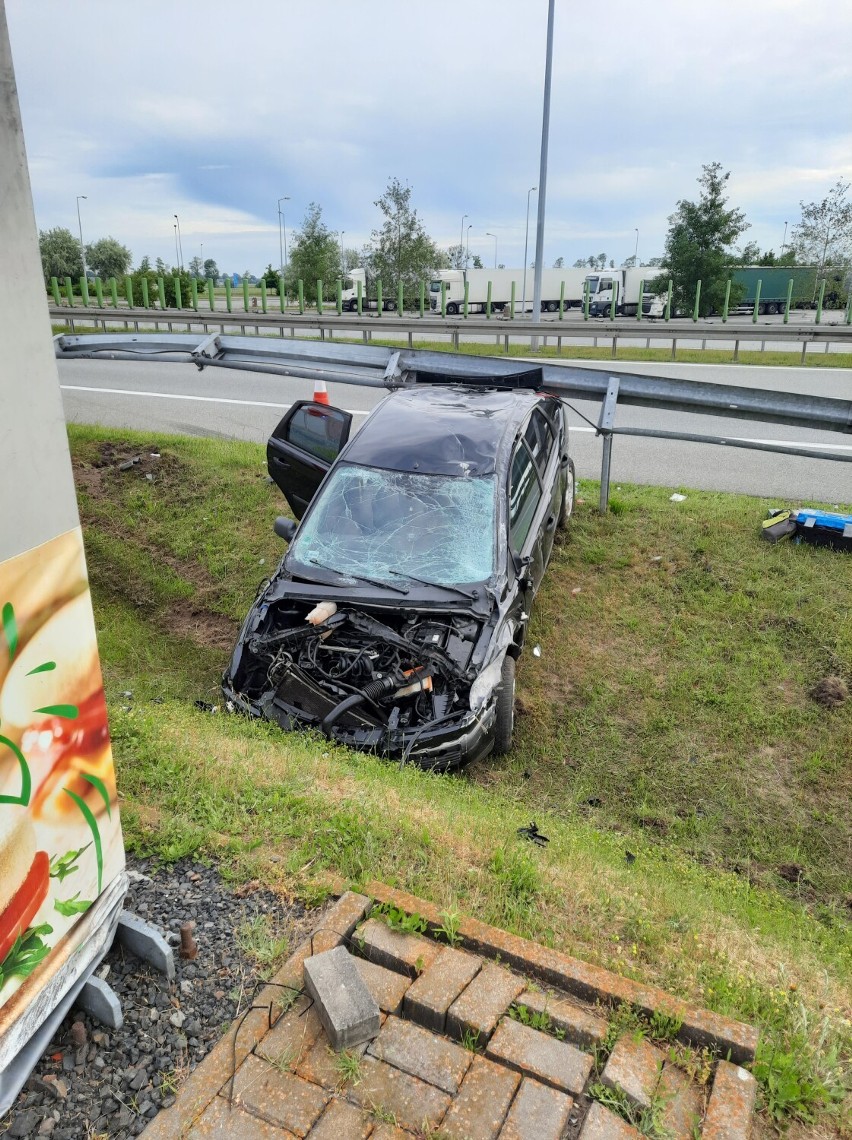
x,y
461,235
342,266
784,242
80,226
177,249
542,177
636,250
179,242
526,244
467,246
282,252
487,234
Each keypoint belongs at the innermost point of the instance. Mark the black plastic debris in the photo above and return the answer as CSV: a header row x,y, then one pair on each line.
x,y
532,833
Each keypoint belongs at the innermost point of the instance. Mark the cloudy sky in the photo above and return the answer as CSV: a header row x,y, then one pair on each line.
x,y
214,110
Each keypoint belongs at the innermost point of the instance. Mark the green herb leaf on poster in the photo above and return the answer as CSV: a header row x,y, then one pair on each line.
x,y
10,629
61,866
28,952
74,905
67,712
45,667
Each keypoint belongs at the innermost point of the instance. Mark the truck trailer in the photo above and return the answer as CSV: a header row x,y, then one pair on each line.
x,y
774,282
556,284
349,294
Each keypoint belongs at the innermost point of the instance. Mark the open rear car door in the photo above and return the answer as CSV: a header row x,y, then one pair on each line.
x,y
303,447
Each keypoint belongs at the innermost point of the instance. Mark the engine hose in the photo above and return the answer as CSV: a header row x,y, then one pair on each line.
x,y
370,692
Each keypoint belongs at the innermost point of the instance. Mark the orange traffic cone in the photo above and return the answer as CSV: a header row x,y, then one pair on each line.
x,y
320,392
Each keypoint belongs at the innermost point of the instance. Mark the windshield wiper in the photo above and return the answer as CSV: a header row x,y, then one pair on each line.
x,y
436,585
358,577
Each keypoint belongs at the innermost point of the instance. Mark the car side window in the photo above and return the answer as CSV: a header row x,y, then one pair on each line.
x,y
524,495
539,438
317,430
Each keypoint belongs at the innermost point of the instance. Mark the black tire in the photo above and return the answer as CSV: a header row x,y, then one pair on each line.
x,y
504,722
772,309
353,306
566,511
551,306
452,309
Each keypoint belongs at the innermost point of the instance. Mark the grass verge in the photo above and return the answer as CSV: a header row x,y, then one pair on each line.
x,y
695,795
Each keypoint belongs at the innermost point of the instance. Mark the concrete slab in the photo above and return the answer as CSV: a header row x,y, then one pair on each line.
x,y
346,1008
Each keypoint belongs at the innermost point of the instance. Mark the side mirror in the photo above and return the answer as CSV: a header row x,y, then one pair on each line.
x,y
285,528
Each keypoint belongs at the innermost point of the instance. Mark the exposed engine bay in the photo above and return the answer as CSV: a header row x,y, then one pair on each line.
x,y
377,678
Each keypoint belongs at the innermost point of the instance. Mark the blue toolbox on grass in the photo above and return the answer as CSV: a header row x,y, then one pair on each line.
x,y
822,528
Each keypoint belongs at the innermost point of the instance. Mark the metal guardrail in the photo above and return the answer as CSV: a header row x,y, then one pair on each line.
x,y
381,367
390,325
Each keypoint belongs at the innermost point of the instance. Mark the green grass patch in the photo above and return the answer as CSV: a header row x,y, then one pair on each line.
x,y
668,719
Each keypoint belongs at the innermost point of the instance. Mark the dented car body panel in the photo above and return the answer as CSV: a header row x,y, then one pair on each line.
x,y
410,578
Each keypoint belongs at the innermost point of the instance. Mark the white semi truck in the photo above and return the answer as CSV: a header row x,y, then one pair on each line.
x,y
452,281
625,284
349,293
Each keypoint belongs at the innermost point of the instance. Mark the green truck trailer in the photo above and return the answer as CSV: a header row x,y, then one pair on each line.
x,y
775,280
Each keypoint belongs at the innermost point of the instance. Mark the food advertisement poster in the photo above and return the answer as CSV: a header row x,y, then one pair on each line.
x,y
60,835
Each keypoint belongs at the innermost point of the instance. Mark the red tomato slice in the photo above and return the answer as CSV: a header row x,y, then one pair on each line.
x,y
25,903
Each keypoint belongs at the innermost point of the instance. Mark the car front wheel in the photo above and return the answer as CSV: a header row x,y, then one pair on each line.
x,y
504,724
567,509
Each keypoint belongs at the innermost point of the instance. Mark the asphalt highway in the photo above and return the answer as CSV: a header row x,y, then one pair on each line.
x,y
161,397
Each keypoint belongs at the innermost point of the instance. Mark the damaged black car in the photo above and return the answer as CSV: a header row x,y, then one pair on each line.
x,y
394,620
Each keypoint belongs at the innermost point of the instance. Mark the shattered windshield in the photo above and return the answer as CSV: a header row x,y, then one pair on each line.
x,y
372,522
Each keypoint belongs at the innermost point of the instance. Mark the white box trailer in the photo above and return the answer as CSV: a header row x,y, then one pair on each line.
x,y
349,293
553,281
603,284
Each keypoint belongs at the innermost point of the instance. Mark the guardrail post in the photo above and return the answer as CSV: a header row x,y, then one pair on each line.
x,y
178,294
84,290
379,299
69,291
262,293
443,298
789,299
587,297
113,289
819,302
228,301
641,298
301,287
697,299
194,291
512,303
359,292
422,299
57,296
727,302
606,423
245,294
282,295
211,295
561,300
319,295
339,295
756,311
99,291
400,298
669,301
613,308
488,303
466,293
128,290
143,285
849,308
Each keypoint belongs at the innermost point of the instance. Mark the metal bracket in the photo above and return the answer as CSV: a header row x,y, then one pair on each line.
x,y
606,424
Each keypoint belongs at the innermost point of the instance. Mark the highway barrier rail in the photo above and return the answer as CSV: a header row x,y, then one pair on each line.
x,y
382,367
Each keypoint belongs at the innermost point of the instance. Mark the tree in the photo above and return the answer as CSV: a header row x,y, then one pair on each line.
x,y
161,267
580,263
699,246
60,254
314,254
108,258
144,265
195,267
559,263
270,276
455,255
629,262
824,235
211,269
477,261
401,250
350,259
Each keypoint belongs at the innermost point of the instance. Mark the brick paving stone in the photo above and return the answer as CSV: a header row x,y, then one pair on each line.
x,y
348,1011
416,1051
278,1098
221,1122
389,1132
601,1124
479,1109
321,1064
432,994
537,1113
478,1008
405,953
634,1067
342,1121
292,1036
552,1062
387,987
683,1103
730,1105
581,1026
412,1102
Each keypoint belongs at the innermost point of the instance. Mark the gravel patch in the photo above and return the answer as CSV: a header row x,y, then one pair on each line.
x,y
93,1082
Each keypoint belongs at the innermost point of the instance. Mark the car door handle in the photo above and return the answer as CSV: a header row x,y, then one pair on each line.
x,y
551,522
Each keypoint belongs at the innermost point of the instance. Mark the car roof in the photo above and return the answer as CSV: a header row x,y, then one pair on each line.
x,y
442,430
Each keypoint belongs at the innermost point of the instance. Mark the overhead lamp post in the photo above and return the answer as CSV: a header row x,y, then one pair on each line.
x,y
202,259
636,250
461,235
487,234
467,246
526,244
282,242
179,241
342,266
542,175
177,248
784,242
80,227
